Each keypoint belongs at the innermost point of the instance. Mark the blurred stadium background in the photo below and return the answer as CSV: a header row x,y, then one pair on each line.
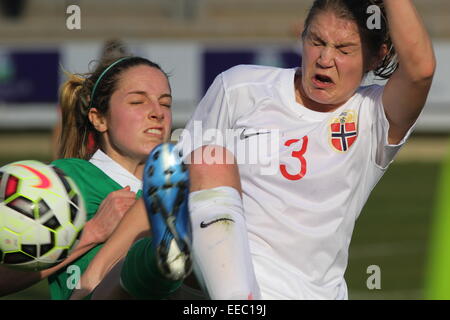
x,y
194,40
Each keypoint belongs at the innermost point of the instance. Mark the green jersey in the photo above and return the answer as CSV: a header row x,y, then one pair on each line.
x,y
94,186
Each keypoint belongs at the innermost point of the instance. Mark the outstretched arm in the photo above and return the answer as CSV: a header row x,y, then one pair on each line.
x,y
133,226
96,231
406,91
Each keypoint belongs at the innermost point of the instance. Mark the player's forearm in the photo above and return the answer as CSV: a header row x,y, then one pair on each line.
x,y
88,241
83,247
12,281
411,40
133,226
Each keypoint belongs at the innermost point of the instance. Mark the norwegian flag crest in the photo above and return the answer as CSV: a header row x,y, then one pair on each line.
x,y
344,131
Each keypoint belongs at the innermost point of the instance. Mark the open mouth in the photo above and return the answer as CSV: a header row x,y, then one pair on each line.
x,y
323,79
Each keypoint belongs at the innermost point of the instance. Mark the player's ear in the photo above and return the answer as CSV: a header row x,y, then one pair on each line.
x,y
97,120
376,61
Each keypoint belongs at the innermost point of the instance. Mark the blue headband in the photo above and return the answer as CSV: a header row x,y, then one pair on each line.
x,y
101,76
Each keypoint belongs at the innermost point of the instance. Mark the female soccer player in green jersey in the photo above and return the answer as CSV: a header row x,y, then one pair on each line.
x,y
124,105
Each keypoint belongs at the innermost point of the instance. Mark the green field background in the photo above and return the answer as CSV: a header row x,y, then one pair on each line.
x,y
392,231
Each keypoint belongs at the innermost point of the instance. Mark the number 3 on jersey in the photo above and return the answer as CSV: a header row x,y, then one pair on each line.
x,y
299,155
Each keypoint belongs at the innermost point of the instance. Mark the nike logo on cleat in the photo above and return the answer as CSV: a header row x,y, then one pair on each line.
x,y
204,224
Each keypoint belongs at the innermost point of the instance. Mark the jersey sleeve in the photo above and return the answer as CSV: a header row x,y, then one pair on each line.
x,y
210,121
384,151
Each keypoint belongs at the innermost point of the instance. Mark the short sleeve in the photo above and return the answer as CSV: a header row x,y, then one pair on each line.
x,y
384,152
210,121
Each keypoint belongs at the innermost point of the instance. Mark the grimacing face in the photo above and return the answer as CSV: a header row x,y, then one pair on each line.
x,y
333,62
139,116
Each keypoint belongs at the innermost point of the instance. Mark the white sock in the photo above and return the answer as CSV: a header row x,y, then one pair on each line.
x,y
221,252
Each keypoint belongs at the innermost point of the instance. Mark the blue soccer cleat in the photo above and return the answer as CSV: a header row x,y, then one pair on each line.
x,y
165,193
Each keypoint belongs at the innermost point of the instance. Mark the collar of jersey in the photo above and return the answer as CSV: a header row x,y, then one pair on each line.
x,y
115,171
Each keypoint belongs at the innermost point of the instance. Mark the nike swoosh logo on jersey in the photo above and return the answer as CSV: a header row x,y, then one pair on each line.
x,y
44,181
245,136
204,224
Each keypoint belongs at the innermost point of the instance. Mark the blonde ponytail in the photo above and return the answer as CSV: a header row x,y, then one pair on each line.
x,y
74,115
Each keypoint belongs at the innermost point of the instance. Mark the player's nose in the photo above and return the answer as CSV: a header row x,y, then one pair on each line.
x,y
156,111
326,58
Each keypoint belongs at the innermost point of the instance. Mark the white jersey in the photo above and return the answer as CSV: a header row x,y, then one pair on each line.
x,y
300,217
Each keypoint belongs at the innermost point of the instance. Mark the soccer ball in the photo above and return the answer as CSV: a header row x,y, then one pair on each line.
x,y
41,215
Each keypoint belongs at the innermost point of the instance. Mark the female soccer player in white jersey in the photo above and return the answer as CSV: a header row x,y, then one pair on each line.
x,y
289,237
283,231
